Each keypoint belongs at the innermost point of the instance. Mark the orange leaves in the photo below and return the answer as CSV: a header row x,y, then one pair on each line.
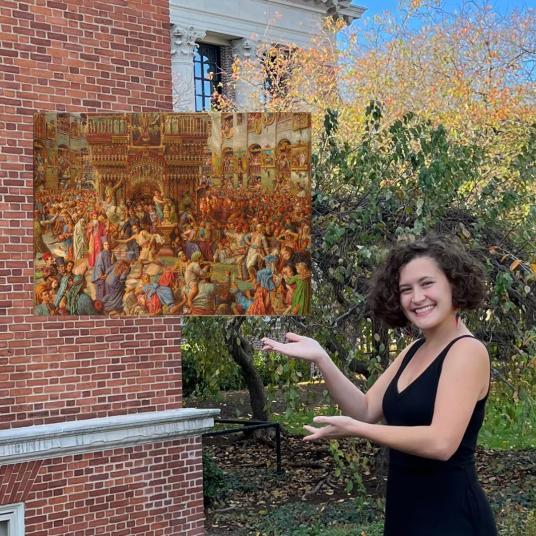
x,y
462,70
515,264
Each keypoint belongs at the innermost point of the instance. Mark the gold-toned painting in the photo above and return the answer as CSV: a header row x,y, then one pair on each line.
x,y
172,214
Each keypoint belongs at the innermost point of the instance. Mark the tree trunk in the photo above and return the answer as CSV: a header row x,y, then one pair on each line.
x,y
242,353
380,343
381,465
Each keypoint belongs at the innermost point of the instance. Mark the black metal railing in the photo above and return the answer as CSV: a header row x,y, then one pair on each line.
x,y
248,426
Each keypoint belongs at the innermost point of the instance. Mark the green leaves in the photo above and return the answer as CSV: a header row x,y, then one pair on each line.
x,y
333,234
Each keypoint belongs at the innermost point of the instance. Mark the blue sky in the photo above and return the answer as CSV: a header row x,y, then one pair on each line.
x,y
376,7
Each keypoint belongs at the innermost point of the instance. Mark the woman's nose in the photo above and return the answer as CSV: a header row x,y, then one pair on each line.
x,y
418,295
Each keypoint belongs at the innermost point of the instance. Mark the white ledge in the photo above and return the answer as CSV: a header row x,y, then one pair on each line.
x,y
90,435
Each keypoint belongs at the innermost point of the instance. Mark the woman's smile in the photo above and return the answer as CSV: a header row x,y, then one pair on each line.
x,y
423,310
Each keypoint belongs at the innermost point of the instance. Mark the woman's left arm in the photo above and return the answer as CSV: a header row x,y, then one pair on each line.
x,y
464,380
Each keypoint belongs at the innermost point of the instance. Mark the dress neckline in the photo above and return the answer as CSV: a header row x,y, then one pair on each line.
x,y
417,345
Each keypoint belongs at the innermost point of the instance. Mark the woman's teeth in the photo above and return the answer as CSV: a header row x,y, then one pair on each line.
x,y
423,310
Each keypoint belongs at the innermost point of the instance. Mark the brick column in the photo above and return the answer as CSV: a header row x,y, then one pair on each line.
x,y
75,56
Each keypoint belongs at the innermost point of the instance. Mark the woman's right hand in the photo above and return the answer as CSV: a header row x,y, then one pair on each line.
x,y
297,346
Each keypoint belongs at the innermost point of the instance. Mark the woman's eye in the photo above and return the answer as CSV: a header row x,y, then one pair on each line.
x,y
405,290
427,283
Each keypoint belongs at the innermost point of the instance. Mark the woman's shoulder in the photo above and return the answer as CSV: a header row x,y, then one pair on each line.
x,y
467,355
467,342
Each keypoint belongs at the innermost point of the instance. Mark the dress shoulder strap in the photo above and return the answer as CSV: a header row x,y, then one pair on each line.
x,y
447,348
445,351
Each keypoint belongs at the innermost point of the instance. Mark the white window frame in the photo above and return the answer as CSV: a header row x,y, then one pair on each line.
x,y
14,515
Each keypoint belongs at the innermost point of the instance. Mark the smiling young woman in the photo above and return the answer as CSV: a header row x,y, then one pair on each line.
x,y
431,397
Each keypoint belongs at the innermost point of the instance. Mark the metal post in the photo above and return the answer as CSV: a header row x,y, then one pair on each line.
x,y
278,447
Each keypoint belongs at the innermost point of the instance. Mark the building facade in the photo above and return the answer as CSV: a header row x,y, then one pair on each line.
x,y
93,439
207,37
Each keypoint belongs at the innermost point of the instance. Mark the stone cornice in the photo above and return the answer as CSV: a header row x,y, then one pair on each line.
x,y
272,21
19,445
335,8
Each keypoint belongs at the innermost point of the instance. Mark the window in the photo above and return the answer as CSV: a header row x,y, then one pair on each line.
x,y
206,75
12,520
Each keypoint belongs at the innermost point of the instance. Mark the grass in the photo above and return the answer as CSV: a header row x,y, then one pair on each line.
x,y
509,424
332,519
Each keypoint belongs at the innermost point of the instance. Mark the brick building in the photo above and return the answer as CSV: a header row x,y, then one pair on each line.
x,y
93,439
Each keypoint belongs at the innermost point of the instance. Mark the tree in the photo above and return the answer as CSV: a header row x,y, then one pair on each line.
x,y
430,130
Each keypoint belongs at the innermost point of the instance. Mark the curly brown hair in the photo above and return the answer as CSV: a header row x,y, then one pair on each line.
x,y
464,272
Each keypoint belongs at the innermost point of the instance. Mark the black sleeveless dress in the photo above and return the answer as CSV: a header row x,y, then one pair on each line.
x,y
428,497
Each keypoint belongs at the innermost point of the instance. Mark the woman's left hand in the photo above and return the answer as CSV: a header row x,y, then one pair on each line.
x,y
336,427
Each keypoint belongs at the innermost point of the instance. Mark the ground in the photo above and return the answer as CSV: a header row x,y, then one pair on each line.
x,y
310,494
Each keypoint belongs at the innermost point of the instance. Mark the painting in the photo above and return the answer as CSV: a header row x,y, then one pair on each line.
x,y
255,122
268,159
145,129
301,120
300,157
171,214
227,126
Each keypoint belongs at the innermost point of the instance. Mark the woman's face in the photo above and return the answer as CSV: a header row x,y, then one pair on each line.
x,y
425,293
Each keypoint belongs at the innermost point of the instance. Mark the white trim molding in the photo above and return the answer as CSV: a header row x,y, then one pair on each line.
x,y
13,515
18,445
271,21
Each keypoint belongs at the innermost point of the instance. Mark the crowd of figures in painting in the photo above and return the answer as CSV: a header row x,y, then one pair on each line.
x,y
235,241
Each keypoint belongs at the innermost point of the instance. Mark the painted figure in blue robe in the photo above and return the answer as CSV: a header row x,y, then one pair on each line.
x,y
65,278
104,261
158,205
115,283
165,294
78,302
265,279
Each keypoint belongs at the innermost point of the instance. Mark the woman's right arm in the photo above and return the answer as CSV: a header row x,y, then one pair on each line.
x,y
352,401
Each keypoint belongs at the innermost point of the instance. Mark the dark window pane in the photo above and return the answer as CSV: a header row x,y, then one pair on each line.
x,y
206,75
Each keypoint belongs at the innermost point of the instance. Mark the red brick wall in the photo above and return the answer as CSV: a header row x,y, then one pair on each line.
x,y
80,55
150,490
75,55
